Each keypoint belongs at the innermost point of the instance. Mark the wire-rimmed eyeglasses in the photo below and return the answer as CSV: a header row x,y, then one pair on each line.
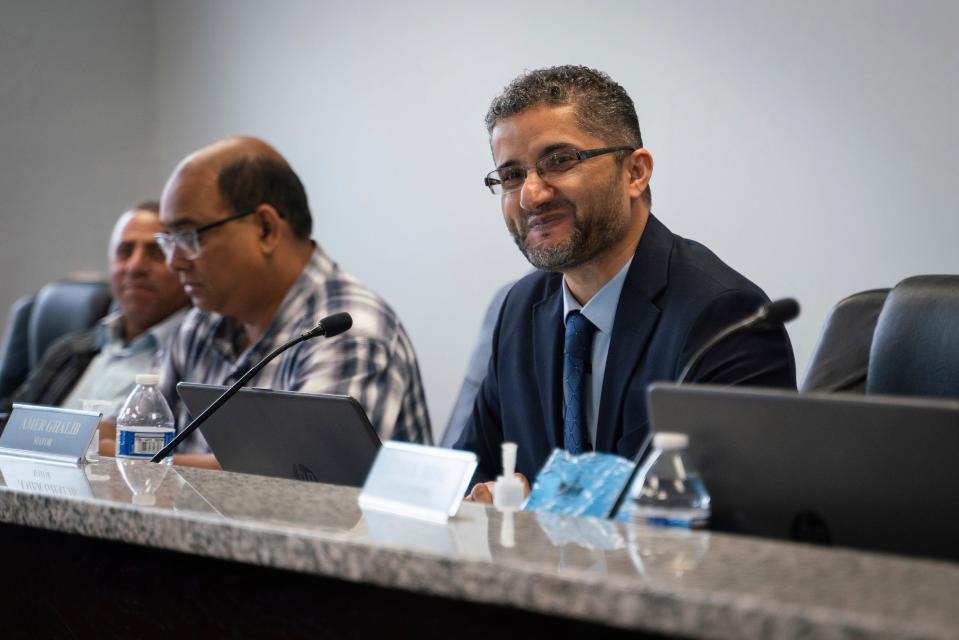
x,y
188,242
511,177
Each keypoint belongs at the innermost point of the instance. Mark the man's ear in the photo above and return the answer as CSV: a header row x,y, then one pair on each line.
x,y
270,227
640,165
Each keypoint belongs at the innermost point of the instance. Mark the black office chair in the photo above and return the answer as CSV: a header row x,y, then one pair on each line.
x,y
36,321
14,355
915,350
841,359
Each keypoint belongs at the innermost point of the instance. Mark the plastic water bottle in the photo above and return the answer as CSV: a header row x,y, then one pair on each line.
x,y
672,493
145,424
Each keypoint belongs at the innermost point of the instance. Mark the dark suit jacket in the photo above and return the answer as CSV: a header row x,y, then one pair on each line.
x,y
677,294
58,372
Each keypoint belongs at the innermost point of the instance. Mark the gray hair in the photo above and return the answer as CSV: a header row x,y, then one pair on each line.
x,y
602,107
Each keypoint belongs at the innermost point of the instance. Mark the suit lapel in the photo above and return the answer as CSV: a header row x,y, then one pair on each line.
x,y
636,318
548,360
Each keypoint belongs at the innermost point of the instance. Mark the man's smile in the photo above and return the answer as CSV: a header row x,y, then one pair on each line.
x,y
543,221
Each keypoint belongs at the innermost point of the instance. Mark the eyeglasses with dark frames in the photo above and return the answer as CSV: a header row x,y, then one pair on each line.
x,y
188,242
511,178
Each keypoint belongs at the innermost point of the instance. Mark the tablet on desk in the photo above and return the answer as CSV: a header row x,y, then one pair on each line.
x,y
300,436
872,472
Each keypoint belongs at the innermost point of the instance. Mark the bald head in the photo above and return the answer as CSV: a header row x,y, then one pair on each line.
x,y
214,157
243,172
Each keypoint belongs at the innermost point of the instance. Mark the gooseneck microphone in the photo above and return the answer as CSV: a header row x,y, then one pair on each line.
x,y
778,312
332,325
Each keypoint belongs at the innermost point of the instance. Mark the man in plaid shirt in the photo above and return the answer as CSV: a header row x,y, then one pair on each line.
x,y
239,240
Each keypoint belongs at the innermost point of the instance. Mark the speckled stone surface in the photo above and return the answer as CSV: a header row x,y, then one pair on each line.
x,y
686,583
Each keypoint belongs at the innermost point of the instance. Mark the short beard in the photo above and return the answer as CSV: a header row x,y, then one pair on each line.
x,y
572,252
592,234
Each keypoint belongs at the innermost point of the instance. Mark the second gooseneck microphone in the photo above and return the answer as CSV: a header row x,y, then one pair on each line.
x,y
332,325
778,312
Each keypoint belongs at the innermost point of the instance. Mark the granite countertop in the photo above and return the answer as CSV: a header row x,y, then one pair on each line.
x,y
696,584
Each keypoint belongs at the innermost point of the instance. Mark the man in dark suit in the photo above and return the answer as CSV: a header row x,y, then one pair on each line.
x,y
620,301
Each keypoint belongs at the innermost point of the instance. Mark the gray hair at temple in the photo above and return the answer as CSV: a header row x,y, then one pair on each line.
x,y
602,107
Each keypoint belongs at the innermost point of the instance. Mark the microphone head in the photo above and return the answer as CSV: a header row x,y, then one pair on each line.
x,y
335,324
781,311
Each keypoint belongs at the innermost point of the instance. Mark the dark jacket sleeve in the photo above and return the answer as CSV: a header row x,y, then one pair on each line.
x,y
475,370
61,367
483,433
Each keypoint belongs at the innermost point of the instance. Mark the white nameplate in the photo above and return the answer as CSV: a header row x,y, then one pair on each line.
x,y
48,433
418,481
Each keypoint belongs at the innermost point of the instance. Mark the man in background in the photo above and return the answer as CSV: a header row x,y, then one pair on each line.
x,y
240,243
101,363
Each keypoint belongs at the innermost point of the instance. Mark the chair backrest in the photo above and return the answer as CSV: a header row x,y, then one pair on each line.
x,y
915,350
841,359
62,307
35,322
14,356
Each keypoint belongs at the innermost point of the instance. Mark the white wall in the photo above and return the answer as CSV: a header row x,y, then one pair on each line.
x,y
77,139
811,145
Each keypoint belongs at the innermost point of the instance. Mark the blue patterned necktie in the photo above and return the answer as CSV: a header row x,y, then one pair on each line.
x,y
576,363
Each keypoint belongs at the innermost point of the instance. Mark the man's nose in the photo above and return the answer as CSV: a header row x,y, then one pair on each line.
x,y
139,260
535,192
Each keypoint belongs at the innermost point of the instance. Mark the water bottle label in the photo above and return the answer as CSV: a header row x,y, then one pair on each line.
x,y
140,444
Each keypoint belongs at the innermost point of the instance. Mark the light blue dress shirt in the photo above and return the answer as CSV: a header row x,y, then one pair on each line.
x,y
111,374
601,311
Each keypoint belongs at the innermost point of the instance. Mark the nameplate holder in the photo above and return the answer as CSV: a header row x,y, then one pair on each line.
x,y
416,481
48,433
